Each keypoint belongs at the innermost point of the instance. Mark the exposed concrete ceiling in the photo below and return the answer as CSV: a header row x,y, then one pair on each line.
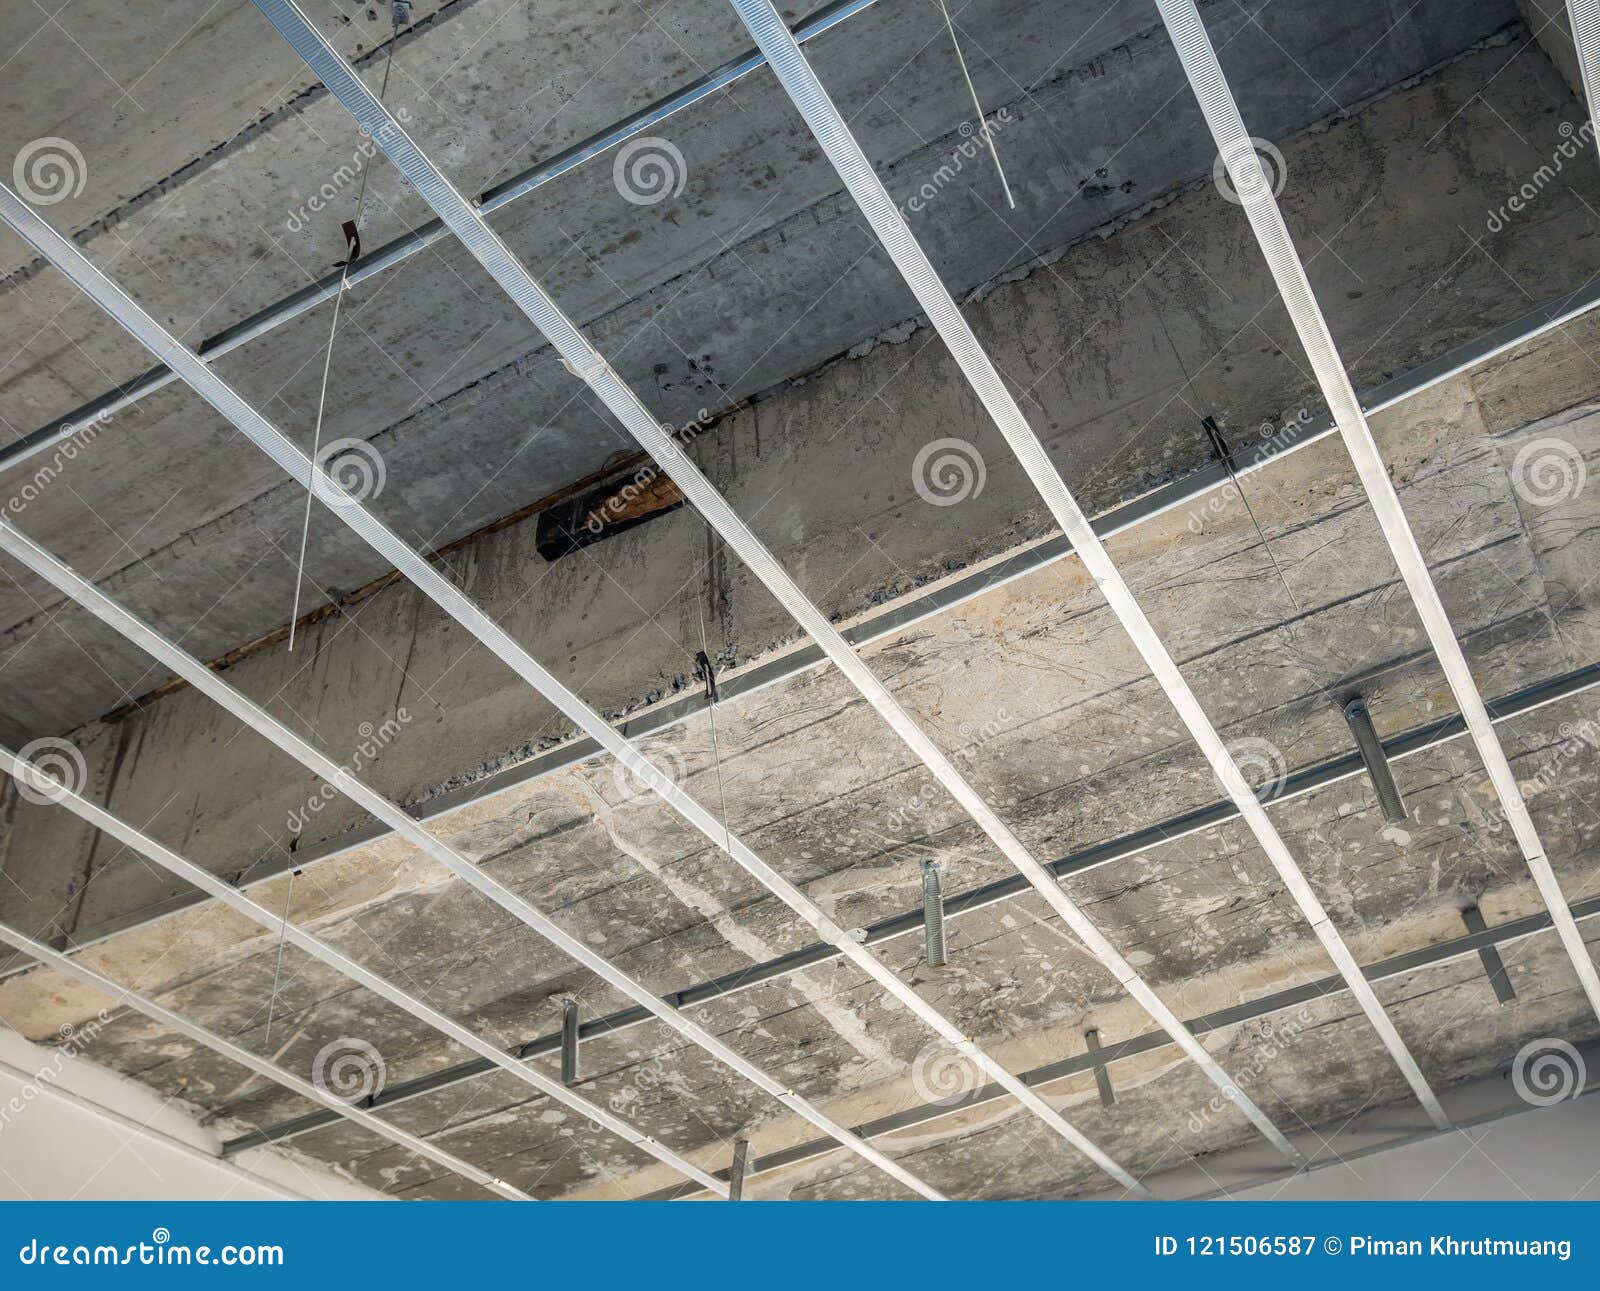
x,y
1124,297
696,300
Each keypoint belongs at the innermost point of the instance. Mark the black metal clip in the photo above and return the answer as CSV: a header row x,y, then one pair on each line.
x,y
1219,446
352,245
706,673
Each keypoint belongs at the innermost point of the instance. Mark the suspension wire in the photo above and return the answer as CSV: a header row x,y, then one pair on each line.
x,y
711,713
277,971
1221,450
983,121
353,250
1224,454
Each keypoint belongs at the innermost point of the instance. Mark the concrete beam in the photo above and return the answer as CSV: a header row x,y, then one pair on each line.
x,y
1550,27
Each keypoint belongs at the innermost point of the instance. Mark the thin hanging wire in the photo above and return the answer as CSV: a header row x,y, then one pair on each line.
x,y
333,327
1233,476
277,971
716,755
983,121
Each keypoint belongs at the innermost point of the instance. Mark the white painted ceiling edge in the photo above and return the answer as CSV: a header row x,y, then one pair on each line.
x,y
73,1130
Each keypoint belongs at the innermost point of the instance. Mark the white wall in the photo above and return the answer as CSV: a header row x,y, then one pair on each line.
x,y
72,1130
1543,1154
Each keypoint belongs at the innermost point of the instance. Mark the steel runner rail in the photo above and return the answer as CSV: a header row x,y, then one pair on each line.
x,y
916,607
1255,195
386,257
67,258
514,279
828,126
269,1070
1296,785
320,950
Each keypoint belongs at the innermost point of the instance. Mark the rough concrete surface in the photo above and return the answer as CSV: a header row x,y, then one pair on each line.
x,y
1124,301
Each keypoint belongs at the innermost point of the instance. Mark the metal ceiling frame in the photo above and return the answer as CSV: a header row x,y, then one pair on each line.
x,y
269,1070
1254,190
393,253
513,277
64,795
1297,784
1584,15
834,136
66,257
1098,1060
599,375
896,616
97,603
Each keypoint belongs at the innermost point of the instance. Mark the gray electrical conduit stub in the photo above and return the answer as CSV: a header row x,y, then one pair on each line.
x,y
70,261
141,843
1296,785
481,241
1097,1060
65,580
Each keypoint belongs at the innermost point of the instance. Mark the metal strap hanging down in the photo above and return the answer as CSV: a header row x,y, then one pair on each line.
x,y
1301,782
320,950
66,257
269,1070
787,61
1261,208
513,277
